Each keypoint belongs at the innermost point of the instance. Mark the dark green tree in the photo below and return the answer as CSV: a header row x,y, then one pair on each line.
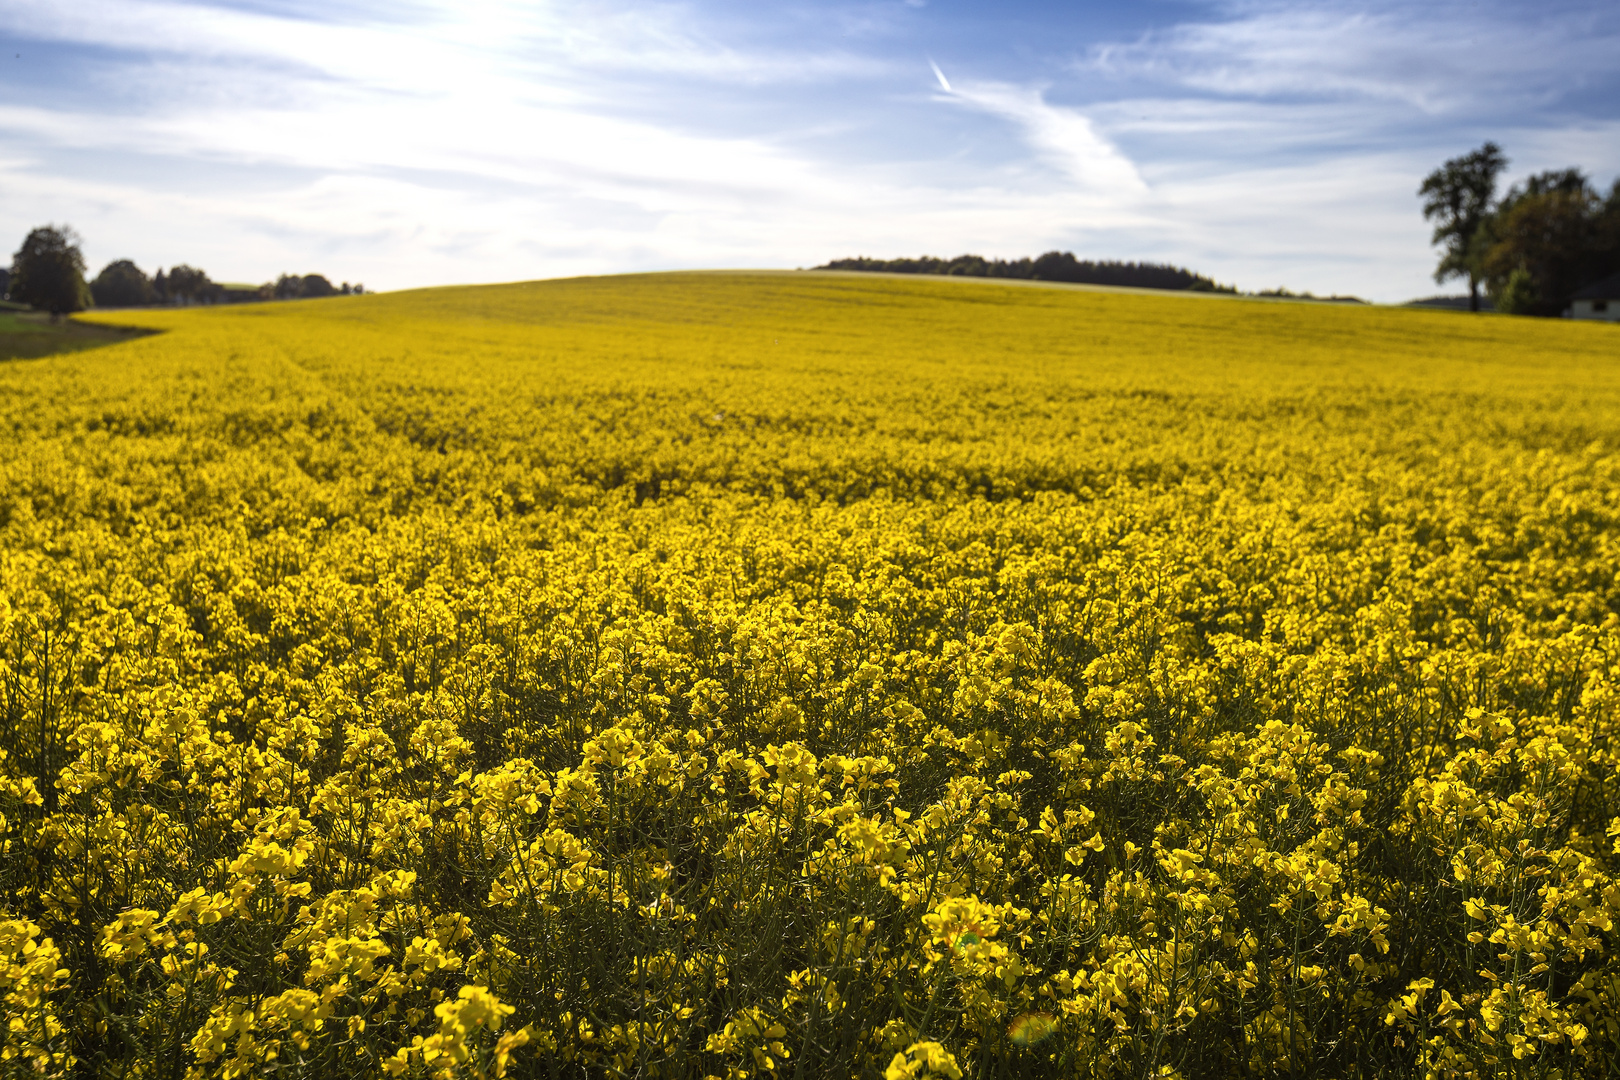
x,y
1549,237
1607,232
47,272
187,284
1457,198
122,284
1567,181
318,285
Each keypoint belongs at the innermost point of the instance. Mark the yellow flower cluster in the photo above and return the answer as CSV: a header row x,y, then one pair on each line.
x,y
28,976
775,676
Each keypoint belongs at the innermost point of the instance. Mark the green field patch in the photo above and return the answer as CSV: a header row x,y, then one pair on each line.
x,y
29,335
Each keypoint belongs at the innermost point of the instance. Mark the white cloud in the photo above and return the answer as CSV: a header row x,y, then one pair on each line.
x,y
500,140
1436,57
1065,138
447,45
428,156
453,158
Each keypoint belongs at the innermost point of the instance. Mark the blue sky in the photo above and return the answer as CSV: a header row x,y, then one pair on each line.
x,y
418,142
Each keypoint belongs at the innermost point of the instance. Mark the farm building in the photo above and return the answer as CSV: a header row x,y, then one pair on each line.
x,y
1599,300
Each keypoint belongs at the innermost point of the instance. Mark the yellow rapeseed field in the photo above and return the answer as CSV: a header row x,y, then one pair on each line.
x,y
790,676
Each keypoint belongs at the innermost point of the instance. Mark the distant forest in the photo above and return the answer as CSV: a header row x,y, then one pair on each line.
x,y
1053,266
47,273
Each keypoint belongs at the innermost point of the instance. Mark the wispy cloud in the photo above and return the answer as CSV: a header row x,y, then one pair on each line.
x,y
1065,138
460,135
1438,57
441,141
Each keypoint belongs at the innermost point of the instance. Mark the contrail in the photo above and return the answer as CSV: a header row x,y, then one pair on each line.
x,y
940,75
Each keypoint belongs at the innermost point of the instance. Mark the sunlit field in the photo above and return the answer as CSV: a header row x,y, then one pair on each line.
x,y
788,676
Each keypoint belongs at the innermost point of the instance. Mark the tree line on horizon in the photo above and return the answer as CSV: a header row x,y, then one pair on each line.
x,y
1532,249
48,273
1053,266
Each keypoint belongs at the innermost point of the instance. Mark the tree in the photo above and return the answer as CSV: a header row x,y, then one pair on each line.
x,y
308,286
1457,198
189,285
1606,233
1568,181
122,284
1546,241
317,285
48,271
